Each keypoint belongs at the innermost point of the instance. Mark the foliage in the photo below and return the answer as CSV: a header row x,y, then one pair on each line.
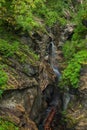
x,y
20,14
28,14
8,49
26,53
72,47
12,48
75,50
72,72
6,125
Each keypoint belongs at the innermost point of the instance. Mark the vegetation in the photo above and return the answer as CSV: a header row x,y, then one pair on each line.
x,y
27,16
72,72
75,50
12,48
6,49
6,125
3,79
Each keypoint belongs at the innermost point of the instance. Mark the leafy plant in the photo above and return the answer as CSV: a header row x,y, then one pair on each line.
x,y
72,72
72,47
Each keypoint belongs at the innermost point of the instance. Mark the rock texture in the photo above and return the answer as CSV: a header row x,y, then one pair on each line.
x,y
21,88
19,116
77,112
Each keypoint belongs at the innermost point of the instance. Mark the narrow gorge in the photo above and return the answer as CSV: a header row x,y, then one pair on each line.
x,y
43,65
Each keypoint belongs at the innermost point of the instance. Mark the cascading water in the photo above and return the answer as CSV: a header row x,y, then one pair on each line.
x,y
52,59
51,94
66,99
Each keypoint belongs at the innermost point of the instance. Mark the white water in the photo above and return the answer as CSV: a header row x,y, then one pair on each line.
x,y
66,100
52,59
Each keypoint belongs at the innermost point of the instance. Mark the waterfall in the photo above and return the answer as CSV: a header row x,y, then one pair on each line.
x,y
52,51
66,100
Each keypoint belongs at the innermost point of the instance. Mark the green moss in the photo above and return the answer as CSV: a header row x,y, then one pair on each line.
x,y
6,125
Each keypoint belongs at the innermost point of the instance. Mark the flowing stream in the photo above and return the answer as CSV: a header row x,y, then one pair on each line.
x,y
52,59
53,97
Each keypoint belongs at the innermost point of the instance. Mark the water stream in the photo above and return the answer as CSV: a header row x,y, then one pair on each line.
x,y
52,59
50,118
51,94
53,63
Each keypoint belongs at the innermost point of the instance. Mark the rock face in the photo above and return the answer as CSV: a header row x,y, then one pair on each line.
x,y
19,116
31,84
16,106
77,113
47,75
22,100
22,87
82,123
